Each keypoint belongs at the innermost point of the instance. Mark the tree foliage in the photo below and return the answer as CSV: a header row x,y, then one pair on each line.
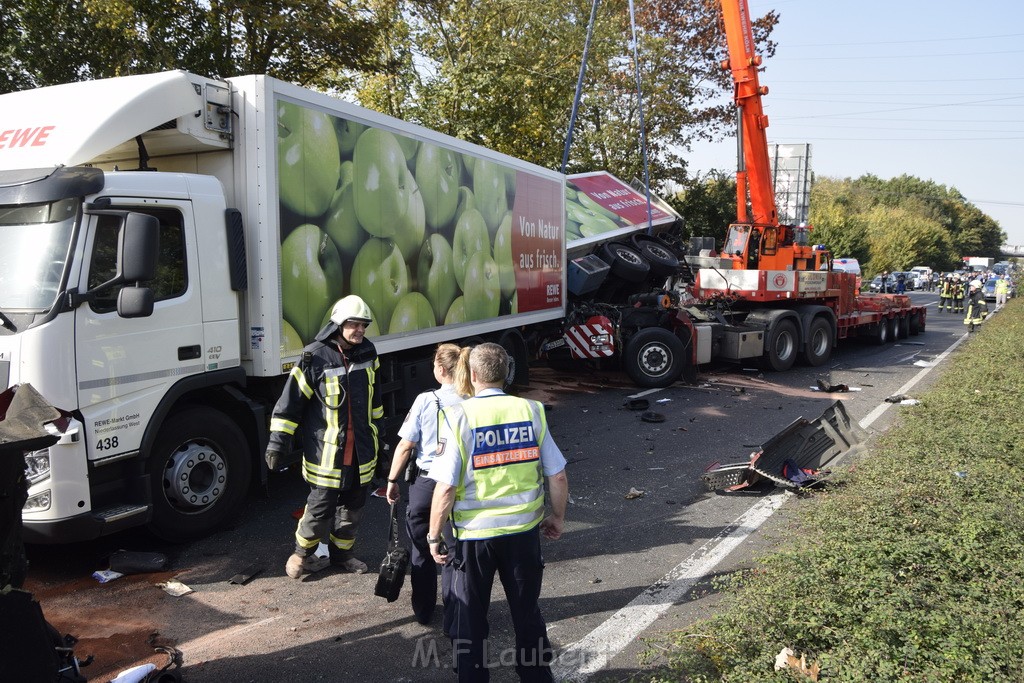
x,y
901,222
317,44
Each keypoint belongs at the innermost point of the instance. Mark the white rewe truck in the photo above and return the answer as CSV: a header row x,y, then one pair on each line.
x,y
169,243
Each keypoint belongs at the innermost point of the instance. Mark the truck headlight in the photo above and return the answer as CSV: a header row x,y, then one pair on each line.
x,y
37,466
38,503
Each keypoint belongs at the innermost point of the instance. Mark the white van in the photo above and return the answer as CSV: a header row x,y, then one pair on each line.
x,y
847,265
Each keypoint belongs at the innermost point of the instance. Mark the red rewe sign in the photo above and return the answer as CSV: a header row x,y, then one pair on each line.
x,y
24,137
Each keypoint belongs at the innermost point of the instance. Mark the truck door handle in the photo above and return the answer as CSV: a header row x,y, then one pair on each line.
x,y
189,352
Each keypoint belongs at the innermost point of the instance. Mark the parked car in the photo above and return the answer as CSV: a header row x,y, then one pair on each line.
x,y
876,284
989,288
913,280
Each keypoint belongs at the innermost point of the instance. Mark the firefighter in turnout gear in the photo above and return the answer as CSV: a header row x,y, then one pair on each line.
x,y
946,294
332,400
977,307
494,454
959,290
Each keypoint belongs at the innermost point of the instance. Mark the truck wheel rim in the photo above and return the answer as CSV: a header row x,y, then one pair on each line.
x,y
194,477
654,360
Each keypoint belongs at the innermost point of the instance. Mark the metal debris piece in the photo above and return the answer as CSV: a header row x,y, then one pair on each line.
x,y
800,451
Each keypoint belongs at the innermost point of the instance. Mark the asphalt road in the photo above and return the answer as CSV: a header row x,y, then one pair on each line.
x,y
627,567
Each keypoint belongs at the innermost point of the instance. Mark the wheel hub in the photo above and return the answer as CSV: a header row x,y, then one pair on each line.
x,y
654,360
194,477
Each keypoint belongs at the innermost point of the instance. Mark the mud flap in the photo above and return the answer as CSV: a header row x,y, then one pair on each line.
x,y
804,446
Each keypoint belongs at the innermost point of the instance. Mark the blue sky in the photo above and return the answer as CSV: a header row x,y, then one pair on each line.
x,y
931,89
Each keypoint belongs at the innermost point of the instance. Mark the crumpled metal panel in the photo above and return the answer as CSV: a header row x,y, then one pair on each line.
x,y
810,445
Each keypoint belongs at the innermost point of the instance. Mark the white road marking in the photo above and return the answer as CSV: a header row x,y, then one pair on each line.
x,y
581,660
594,651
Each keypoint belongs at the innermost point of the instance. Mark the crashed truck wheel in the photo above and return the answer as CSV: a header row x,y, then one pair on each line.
x,y
199,474
654,357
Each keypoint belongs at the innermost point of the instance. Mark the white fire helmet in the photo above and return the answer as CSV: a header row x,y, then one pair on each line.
x,y
351,307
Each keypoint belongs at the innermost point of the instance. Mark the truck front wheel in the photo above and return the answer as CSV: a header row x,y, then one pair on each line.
x,y
780,352
199,474
654,357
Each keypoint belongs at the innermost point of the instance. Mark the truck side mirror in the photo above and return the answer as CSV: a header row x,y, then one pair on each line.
x,y
138,246
135,302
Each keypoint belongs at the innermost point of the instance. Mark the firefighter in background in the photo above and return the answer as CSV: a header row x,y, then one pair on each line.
x,y
977,307
946,294
331,397
959,290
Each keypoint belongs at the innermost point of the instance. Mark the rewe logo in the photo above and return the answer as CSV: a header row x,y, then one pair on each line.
x,y
24,137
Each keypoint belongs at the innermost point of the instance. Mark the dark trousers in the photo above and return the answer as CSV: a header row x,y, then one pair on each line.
x,y
518,562
422,568
333,512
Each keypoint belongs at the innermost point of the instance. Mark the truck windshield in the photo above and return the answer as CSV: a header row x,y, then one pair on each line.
x,y
34,241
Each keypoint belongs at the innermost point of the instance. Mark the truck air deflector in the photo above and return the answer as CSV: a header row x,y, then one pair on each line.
x,y
76,123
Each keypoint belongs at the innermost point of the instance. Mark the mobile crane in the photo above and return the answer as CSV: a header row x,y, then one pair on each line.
x,y
768,277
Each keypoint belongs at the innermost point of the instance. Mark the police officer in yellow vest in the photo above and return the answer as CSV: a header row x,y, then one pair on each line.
x,y
494,454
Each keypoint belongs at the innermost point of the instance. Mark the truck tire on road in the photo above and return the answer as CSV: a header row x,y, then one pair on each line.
x,y
654,357
915,326
780,351
199,474
819,342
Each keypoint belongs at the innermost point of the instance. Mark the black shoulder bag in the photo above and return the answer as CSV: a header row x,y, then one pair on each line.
x,y
394,566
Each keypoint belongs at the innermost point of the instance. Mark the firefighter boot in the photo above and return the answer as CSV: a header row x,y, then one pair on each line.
x,y
296,566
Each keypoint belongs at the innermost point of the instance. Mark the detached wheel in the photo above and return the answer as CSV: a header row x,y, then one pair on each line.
x,y
780,352
819,342
654,357
914,325
199,474
624,262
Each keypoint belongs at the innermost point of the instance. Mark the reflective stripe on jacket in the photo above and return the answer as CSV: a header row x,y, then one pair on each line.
x,y
315,403
502,486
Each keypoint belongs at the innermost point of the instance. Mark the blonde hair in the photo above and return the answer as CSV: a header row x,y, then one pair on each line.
x,y
455,361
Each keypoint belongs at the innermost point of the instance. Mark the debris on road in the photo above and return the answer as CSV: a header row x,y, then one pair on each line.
x,y
830,388
638,404
243,577
796,456
634,493
106,576
132,562
175,588
651,416
902,399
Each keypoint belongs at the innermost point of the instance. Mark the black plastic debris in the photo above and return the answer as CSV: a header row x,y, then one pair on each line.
x,y
832,388
134,562
651,416
638,404
243,577
796,456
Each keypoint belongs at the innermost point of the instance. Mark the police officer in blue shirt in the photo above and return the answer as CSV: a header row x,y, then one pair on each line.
x,y
419,443
494,455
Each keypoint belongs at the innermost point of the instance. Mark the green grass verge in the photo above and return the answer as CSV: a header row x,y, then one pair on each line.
x,y
911,567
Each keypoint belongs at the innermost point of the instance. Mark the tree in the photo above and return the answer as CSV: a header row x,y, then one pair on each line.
x,y
314,43
708,205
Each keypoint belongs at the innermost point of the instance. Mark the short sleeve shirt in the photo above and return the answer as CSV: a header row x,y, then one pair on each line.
x,y
420,426
447,466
